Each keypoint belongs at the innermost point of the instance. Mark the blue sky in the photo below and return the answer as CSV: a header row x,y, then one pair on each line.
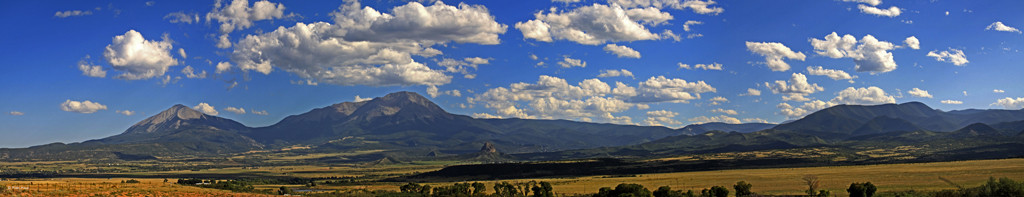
x,y
745,61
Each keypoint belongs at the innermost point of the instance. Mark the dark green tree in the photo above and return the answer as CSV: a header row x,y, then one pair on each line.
x,y
524,187
479,188
505,189
542,190
824,193
284,190
742,188
425,190
871,189
410,188
624,190
666,191
861,189
458,189
719,191
604,192
632,190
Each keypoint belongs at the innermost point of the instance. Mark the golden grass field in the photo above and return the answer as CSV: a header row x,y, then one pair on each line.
x,y
888,177
107,187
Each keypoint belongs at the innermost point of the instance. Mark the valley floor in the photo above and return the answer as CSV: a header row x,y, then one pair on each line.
x,y
777,181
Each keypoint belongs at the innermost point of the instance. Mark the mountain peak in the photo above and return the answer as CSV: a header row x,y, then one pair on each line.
x,y
976,129
488,148
410,104
178,116
178,111
406,96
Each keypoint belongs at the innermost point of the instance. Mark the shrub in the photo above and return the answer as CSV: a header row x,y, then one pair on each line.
x,y
742,188
1000,187
716,191
631,189
861,189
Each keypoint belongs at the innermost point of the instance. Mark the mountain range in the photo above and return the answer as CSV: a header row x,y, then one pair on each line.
x,y
405,124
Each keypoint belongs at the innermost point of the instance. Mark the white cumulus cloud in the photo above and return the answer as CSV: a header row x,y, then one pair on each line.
x,y
688,24
589,100
554,98
463,66
662,89
223,67
724,111
190,73
831,73
239,15
999,26
568,62
954,56
1010,103
70,13
615,73
863,96
16,113
434,92
720,118
360,99
662,118
912,42
85,107
807,108
870,55
223,41
621,51
414,21
890,12
752,92
998,91
181,17
206,109
796,89
952,102
593,25
125,112
773,53
712,66
91,70
916,92
697,6
311,53
367,47
236,110
138,58
259,112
